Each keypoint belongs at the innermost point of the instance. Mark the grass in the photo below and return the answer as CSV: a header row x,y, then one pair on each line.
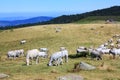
x,y
71,36
98,19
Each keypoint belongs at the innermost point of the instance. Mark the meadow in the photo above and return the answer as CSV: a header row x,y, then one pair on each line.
x,y
71,36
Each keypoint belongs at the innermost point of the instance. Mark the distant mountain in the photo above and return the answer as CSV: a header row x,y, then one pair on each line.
x,y
25,21
13,18
112,11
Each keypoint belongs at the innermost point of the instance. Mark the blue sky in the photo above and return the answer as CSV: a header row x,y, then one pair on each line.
x,y
9,8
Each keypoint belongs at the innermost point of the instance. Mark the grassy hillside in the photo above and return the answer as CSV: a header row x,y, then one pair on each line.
x,y
71,36
98,19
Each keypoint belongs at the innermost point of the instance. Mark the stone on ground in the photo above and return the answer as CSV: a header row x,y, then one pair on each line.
x,y
71,77
85,66
3,75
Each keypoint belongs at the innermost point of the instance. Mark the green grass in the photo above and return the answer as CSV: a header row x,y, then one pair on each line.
x,y
71,36
98,19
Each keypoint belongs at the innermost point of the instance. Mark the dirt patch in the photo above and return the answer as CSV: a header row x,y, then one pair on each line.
x,y
54,71
106,67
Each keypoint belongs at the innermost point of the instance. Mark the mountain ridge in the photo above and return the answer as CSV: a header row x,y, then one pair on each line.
x,y
112,11
25,21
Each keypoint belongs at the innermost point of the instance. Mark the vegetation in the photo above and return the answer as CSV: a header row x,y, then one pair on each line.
x,y
99,19
71,36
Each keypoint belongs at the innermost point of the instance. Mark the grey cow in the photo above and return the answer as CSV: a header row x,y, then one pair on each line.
x,y
57,56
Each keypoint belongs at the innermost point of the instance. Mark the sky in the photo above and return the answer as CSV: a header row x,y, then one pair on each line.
x,y
10,8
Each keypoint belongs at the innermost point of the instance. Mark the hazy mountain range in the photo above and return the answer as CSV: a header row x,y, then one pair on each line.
x,y
13,21
14,18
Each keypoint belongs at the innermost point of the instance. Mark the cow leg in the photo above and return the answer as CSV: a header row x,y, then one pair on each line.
x,y
92,57
50,61
31,60
57,62
61,61
27,62
14,57
99,57
113,56
37,60
66,59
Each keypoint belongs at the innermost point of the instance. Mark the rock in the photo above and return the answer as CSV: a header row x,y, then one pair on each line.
x,y
3,75
71,77
85,66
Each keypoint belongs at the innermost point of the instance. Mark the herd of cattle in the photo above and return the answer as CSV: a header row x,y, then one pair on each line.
x,y
112,47
55,58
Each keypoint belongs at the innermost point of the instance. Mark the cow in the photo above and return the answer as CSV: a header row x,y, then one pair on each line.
x,y
35,54
32,54
15,53
82,52
23,41
96,54
57,56
114,52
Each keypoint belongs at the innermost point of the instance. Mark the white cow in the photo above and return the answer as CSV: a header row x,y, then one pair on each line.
x,y
32,54
43,54
15,53
23,41
110,41
114,52
103,46
118,41
116,36
57,56
118,46
20,51
57,29
35,54
105,51
43,49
